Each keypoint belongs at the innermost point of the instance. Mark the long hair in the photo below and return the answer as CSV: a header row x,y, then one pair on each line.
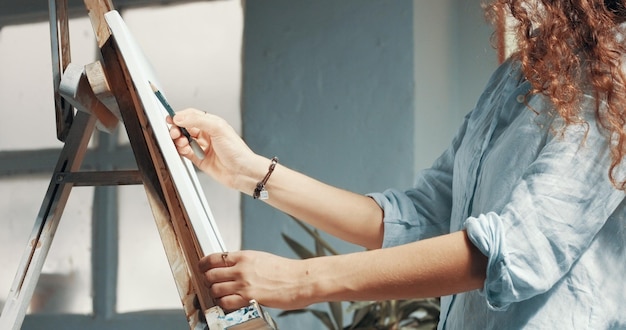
x,y
571,47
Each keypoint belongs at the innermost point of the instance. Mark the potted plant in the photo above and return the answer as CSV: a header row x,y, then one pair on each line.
x,y
412,314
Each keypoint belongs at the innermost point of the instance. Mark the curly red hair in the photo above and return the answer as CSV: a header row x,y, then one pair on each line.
x,y
567,48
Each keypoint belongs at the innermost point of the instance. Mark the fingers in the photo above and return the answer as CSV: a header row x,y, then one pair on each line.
x,y
231,303
225,295
188,118
217,268
234,278
221,278
220,281
202,121
215,260
183,145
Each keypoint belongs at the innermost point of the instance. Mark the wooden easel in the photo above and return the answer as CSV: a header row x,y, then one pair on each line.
x,y
106,85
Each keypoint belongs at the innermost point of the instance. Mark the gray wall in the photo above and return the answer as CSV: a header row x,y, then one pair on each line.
x,y
328,88
359,94
330,93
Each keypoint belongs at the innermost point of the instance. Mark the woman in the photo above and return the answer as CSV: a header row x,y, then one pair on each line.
x,y
519,224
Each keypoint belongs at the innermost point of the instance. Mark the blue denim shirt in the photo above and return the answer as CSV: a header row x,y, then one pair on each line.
x,y
536,199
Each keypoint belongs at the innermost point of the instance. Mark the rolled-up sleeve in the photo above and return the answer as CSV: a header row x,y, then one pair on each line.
x,y
555,210
405,221
423,211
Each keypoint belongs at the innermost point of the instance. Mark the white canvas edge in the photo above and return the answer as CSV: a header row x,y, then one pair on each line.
x,y
181,169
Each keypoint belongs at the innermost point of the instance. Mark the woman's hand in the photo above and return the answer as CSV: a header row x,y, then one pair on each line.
x,y
225,152
432,267
235,278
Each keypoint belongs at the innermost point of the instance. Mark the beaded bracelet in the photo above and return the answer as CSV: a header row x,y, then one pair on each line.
x,y
260,192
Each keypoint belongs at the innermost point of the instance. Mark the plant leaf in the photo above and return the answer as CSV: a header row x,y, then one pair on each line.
x,y
295,311
298,248
316,237
359,315
323,316
410,314
359,305
319,247
336,310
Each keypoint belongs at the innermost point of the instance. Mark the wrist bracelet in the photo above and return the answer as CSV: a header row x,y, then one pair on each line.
x,y
260,192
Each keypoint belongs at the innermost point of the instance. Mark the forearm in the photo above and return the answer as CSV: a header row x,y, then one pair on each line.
x,y
430,268
349,216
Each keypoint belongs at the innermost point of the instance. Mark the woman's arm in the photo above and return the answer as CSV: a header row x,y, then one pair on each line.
x,y
433,267
349,216
352,217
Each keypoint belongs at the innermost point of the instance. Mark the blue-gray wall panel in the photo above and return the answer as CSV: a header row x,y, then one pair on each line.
x,y
328,88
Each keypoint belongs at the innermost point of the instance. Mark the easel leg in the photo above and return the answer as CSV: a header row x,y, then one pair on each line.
x,y
46,224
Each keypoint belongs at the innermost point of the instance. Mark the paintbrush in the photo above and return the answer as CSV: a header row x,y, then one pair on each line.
x,y
197,150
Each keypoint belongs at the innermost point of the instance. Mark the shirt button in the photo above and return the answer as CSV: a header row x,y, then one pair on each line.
x,y
521,98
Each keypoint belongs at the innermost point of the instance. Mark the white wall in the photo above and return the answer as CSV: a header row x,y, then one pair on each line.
x,y
453,61
435,116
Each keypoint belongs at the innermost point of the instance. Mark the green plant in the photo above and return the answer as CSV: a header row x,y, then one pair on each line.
x,y
412,314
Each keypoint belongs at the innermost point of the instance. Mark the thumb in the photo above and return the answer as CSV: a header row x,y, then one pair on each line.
x,y
211,124
188,116
181,118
